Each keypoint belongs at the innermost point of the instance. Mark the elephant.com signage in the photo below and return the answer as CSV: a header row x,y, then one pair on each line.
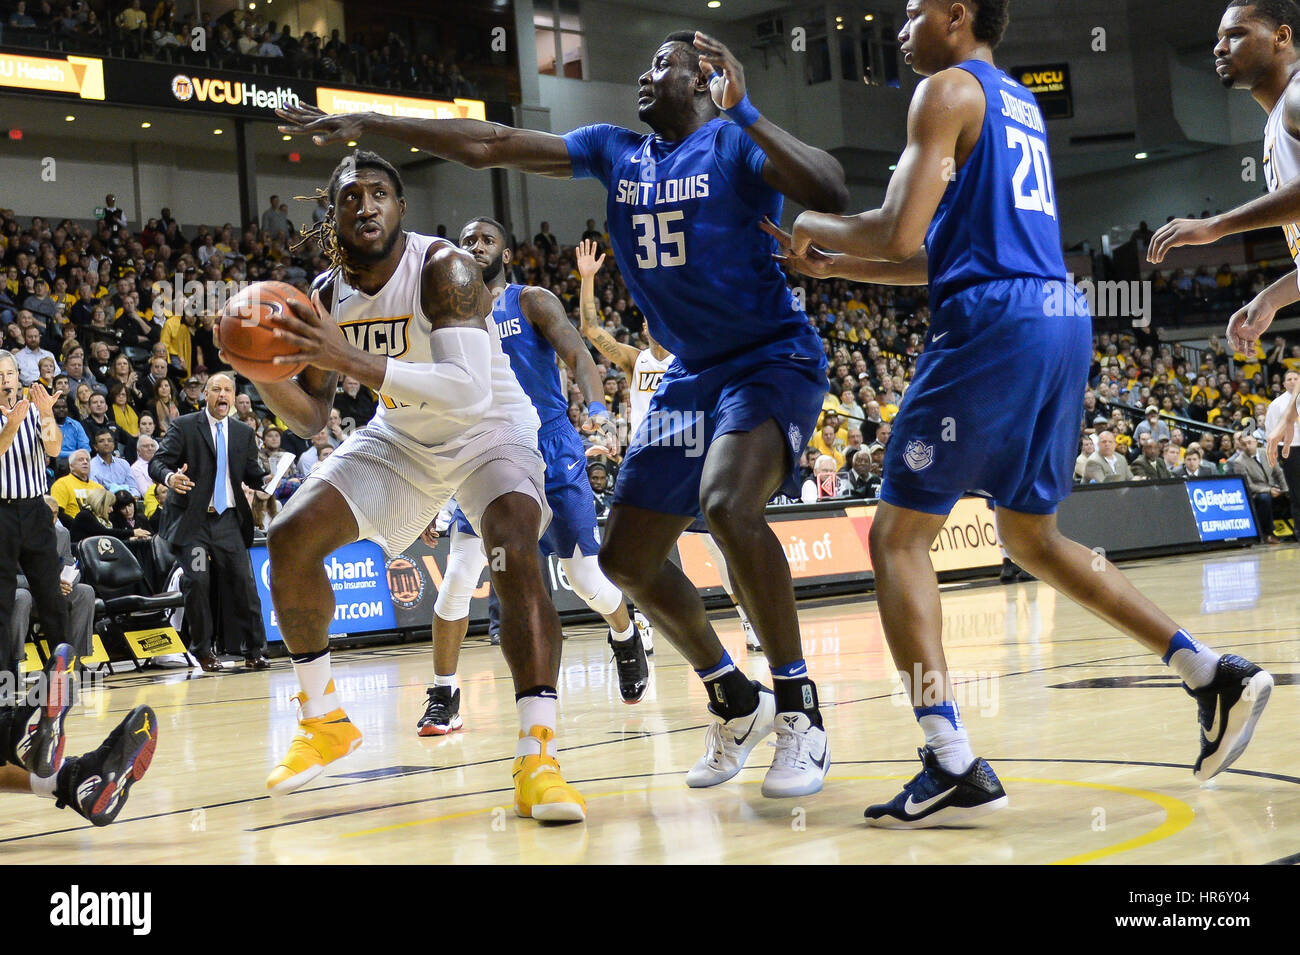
x,y
1221,509
362,600
80,76
1050,85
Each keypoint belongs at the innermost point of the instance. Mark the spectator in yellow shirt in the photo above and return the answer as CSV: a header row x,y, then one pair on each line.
x,y
70,490
826,442
176,336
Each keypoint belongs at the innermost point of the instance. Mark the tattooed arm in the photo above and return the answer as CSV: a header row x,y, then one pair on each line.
x,y
453,296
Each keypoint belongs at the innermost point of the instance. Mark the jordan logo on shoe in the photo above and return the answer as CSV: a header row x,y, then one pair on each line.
x,y
145,729
914,808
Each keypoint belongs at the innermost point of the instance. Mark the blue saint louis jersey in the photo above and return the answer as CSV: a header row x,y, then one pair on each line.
x,y
532,358
997,218
683,221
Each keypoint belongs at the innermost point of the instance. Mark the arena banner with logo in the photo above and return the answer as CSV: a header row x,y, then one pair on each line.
x,y
363,601
1050,84
80,76
198,89
1221,507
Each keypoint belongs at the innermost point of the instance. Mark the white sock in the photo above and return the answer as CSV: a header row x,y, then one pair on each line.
x,y
950,743
44,787
316,681
626,634
534,711
1191,660
451,680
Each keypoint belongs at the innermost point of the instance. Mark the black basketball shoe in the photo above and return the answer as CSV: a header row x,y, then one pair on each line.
x,y
36,729
1228,709
935,797
442,715
633,668
96,785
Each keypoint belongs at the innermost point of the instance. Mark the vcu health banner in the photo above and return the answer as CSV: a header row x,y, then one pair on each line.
x,y
363,603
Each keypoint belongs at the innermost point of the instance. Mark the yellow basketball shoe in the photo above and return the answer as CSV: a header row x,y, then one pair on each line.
x,y
540,791
319,741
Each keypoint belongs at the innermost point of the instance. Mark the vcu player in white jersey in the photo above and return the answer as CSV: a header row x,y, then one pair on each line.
x,y
644,369
1257,51
407,315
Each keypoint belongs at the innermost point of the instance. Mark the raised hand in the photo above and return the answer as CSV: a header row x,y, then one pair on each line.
x,y
323,127
722,71
588,264
43,400
15,416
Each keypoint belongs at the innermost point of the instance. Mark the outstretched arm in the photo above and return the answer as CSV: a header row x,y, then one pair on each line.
x,y
545,313
823,265
944,105
470,142
1279,208
810,176
622,356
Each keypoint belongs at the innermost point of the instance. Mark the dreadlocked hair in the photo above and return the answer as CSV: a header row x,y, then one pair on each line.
x,y
325,233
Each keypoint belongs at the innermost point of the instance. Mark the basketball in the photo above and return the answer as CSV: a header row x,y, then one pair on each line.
x,y
246,331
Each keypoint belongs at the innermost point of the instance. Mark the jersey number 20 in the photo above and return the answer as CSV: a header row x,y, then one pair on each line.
x,y
1033,156
652,247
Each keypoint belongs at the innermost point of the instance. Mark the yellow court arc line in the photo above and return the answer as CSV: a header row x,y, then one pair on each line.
x,y
1178,815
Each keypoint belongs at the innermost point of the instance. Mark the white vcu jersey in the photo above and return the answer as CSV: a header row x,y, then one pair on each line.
x,y
392,323
401,468
1281,165
646,375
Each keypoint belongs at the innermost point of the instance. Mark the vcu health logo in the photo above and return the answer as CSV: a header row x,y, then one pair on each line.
x,y
918,455
405,582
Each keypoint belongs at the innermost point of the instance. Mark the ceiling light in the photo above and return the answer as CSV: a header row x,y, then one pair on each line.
x,y
351,143
68,119
893,167
217,132
714,4
839,19
868,17
1139,155
286,137
145,125
839,26
415,149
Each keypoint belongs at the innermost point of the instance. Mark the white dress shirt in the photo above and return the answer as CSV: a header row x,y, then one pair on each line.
x,y
1276,410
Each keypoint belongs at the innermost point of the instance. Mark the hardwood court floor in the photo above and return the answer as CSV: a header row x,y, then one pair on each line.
x,y
1092,737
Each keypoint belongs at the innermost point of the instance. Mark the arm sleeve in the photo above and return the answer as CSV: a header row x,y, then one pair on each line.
x,y
458,382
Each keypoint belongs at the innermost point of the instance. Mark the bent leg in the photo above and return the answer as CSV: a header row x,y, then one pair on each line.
x,y
1085,576
596,590
634,555
530,627
741,473
316,522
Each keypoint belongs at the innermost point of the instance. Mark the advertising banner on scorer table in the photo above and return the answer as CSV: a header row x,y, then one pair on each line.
x,y
362,602
179,86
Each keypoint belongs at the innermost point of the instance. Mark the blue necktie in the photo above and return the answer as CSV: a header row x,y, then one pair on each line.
x,y
219,494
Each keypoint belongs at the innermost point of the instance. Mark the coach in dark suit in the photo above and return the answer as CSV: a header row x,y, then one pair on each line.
x,y
203,459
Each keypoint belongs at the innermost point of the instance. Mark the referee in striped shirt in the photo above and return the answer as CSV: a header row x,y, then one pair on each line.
x,y
28,432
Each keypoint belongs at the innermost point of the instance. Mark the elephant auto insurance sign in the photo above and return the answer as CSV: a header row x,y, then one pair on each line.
x,y
1221,508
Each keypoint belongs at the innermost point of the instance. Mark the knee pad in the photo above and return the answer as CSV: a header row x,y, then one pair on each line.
x,y
591,585
465,565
